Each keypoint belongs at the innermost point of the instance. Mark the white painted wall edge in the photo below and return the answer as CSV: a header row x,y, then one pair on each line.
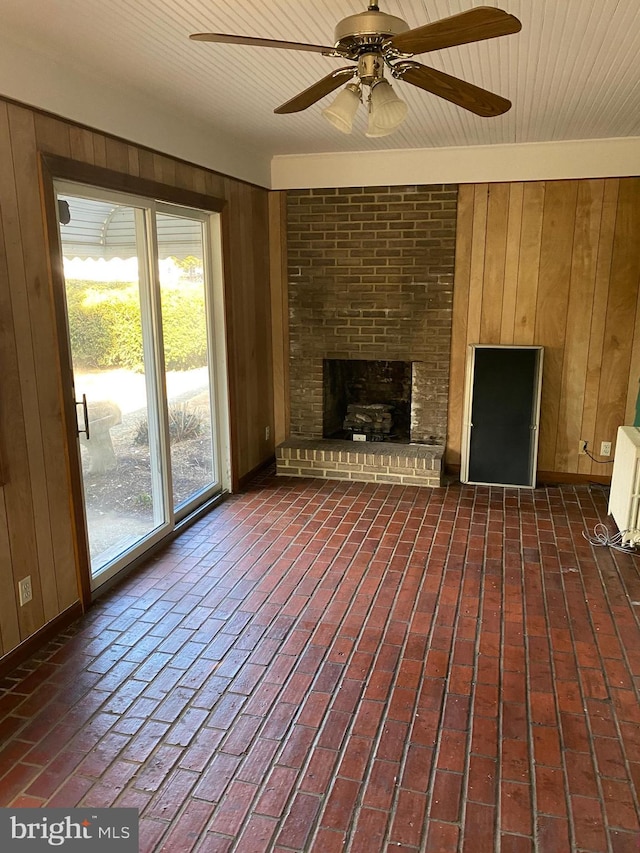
x,y
40,81
533,161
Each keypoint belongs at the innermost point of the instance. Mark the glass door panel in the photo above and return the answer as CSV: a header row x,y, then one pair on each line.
x,y
181,248
144,305
108,308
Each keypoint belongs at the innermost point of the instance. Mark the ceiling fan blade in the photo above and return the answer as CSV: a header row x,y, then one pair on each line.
x,y
225,38
318,90
465,95
477,24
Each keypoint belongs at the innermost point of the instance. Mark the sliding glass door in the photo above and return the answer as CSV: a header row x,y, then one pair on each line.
x,y
187,354
145,335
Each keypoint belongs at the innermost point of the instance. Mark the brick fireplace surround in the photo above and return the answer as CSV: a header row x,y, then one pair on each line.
x,y
370,277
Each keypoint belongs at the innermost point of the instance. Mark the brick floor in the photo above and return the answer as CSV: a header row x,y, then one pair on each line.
x,y
328,666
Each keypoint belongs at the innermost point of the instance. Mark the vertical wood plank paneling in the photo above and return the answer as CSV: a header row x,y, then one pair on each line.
x,y
279,313
133,161
512,263
52,135
200,183
529,270
261,310
551,307
246,263
36,522
117,154
242,261
478,257
598,318
45,431
233,331
252,304
25,491
15,502
494,265
81,144
99,150
9,624
184,176
146,164
459,326
215,184
578,327
164,169
621,311
242,200
634,370
571,284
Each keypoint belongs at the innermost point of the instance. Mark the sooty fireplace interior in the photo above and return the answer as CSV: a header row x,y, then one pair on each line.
x,y
367,398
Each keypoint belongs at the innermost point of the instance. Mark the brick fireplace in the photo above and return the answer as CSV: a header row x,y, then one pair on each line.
x,y
370,278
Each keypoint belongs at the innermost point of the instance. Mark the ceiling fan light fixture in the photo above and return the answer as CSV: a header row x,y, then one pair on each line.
x,y
374,40
386,110
343,109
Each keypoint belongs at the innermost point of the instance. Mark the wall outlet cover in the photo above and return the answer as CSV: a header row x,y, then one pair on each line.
x,y
24,590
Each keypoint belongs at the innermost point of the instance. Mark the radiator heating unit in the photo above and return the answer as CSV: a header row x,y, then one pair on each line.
x,y
624,499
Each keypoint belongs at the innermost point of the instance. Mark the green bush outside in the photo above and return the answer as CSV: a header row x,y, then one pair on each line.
x,y
105,330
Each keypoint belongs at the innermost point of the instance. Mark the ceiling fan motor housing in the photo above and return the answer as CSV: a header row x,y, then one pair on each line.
x,y
366,30
370,68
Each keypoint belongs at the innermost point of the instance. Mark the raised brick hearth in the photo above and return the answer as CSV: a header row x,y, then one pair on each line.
x,y
370,461
370,277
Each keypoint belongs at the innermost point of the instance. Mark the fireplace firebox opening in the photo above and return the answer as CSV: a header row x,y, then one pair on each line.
x,y
367,400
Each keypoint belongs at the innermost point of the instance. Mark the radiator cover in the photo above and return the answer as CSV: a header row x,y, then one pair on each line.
x,y
624,499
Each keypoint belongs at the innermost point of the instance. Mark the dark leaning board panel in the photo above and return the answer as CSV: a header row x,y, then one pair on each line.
x,y
504,414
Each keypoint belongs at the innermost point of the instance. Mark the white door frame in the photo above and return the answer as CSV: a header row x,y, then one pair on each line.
x,y
146,210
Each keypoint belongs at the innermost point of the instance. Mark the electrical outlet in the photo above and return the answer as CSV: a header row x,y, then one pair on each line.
x,y
24,590
267,433
582,447
605,448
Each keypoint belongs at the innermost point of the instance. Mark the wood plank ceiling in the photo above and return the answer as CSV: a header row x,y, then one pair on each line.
x,y
572,73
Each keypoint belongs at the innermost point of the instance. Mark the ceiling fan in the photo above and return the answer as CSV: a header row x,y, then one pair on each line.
x,y
374,39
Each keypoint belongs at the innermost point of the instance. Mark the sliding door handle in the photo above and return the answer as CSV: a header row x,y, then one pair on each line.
x,y
85,412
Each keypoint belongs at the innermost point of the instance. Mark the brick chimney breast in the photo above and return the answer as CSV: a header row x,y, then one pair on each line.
x,y
370,275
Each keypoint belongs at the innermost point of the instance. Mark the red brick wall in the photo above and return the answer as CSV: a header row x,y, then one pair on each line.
x,y
370,275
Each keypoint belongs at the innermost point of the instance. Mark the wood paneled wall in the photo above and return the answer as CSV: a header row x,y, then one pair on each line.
x,y
36,519
555,264
280,313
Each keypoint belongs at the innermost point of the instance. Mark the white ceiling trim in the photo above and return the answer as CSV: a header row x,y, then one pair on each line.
x,y
90,100
536,161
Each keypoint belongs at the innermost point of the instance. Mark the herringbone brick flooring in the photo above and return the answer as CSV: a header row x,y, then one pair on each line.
x,y
324,666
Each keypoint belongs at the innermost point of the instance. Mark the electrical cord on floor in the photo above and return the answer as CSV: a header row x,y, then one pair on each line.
x,y
601,536
600,487
599,461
